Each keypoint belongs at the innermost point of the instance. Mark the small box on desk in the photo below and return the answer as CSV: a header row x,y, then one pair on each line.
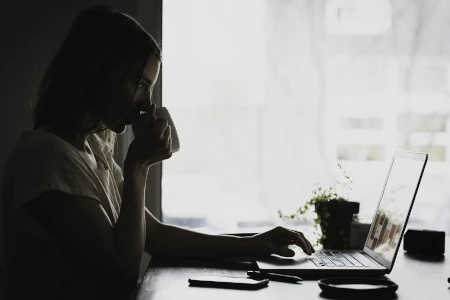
x,y
358,233
422,241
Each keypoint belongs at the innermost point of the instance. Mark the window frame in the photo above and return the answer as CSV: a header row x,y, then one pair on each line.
x,y
149,15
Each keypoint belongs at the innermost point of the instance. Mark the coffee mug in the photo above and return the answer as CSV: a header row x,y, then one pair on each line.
x,y
163,113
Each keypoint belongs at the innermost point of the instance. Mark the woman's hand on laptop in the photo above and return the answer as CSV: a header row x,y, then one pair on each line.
x,y
277,241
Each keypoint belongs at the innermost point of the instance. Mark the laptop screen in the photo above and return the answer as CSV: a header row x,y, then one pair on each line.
x,y
394,206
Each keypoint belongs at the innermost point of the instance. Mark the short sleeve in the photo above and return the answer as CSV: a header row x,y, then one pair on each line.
x,y
52,165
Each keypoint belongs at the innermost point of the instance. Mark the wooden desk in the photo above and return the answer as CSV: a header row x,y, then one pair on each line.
x,y
168,279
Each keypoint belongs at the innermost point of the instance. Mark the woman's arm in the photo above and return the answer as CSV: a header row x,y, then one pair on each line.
x,y
130,227
167,240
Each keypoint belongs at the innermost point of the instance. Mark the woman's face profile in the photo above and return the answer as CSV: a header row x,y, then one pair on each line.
x,y
141,101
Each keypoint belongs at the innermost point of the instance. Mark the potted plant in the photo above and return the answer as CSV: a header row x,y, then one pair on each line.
x,y
334,213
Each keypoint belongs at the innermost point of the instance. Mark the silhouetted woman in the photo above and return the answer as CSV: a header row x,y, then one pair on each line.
x,y
74,223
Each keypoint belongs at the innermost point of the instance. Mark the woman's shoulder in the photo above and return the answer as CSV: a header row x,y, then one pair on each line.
x,y
37,147
40,143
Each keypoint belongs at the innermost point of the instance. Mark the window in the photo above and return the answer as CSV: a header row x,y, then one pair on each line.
x,y
358,17
361,123
267,104
359,74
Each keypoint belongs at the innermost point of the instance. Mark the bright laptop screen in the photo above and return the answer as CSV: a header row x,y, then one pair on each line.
x,y
394,206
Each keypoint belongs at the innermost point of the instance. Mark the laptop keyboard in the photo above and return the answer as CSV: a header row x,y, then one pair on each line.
x,y
335,259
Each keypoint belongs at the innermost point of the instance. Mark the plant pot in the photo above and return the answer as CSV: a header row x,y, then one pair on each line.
x,y
336,216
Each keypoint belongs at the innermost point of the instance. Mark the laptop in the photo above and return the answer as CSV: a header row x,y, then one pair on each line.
x,y
384,238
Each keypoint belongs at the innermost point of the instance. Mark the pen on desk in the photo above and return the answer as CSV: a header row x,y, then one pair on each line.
x,y
274,276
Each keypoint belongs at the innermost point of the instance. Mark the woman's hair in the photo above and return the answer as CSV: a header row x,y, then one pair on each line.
x,y
98,66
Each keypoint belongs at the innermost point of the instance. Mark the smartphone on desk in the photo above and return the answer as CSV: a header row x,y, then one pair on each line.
x,y
229,282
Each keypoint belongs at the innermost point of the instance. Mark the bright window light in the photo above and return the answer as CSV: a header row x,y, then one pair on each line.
x,y
267,102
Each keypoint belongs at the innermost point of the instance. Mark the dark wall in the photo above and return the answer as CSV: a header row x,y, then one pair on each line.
x,y
30,34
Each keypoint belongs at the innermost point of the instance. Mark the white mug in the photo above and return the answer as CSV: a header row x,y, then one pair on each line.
x,y
163,113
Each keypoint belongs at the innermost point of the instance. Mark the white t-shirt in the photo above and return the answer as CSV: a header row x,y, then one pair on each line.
x,y
36,264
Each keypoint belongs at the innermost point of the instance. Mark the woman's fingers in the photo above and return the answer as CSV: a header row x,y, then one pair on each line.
x,y
167,138
305,239
153,139
299,240
165,150
310,245
302,242
160,128
150,119
164,153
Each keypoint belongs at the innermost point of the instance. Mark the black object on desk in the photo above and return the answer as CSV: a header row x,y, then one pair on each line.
x,y
228,282
357,286
274,276
428,242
